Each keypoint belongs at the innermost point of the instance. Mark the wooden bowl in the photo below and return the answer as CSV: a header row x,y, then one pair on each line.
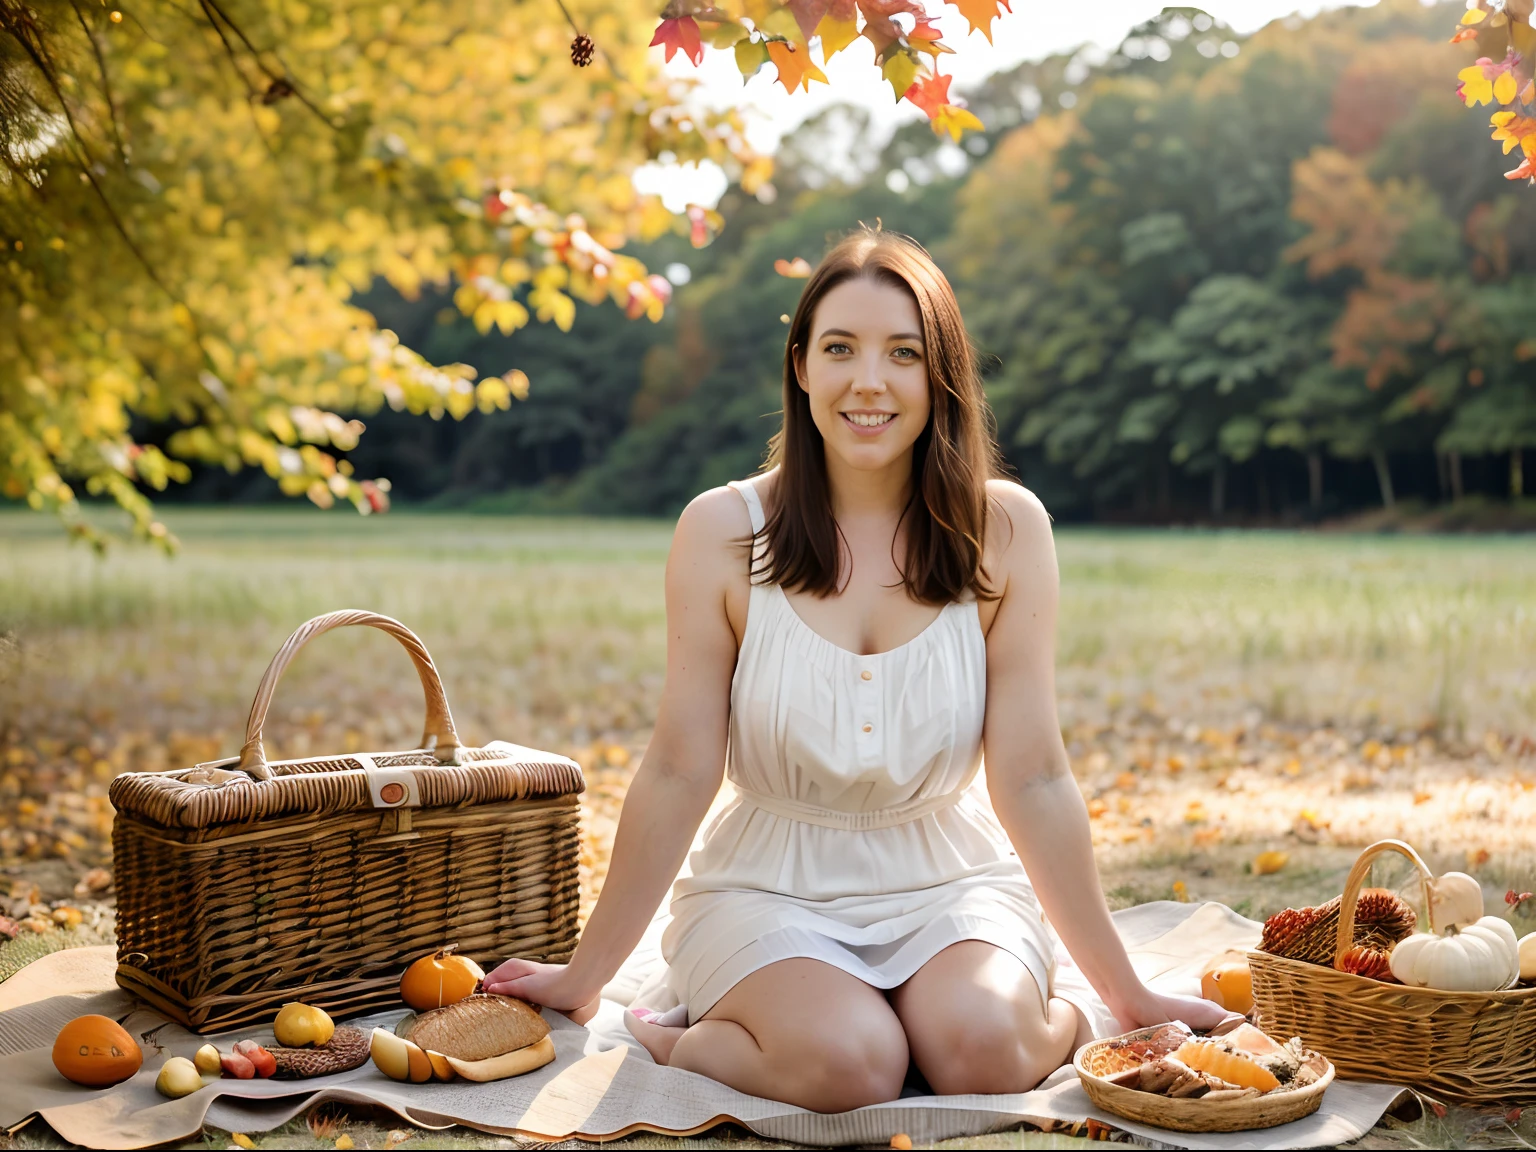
x,y
1184,1115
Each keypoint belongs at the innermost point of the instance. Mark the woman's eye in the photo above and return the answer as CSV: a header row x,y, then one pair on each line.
x,y
838,348
905,353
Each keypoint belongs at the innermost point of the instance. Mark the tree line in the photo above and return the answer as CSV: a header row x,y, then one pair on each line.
x,y
1209,276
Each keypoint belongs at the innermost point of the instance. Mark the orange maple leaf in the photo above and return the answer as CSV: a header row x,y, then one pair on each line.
x,y
930,94
981,13
682,33
796,68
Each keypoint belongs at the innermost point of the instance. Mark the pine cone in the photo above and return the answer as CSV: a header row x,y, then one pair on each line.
x,y
581,50
1372,963
347,1049
1310,934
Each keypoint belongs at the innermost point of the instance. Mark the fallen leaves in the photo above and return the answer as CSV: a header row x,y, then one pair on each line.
x,y
1268,863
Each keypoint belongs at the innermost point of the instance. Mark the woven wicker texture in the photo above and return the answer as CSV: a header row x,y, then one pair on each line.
x,y
1471,1048
241,890
1185,1115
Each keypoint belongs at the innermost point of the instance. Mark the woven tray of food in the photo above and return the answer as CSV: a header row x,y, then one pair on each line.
x,y
1171,1078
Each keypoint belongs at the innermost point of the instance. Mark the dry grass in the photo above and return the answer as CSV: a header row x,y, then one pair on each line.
x,y
1221,694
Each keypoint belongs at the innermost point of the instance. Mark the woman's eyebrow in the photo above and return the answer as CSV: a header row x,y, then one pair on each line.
x,y
893,336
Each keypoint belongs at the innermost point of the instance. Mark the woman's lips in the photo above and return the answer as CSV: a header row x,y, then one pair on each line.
x,y
873,423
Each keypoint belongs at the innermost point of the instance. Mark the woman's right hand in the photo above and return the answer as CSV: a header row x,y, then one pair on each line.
x,y
548,985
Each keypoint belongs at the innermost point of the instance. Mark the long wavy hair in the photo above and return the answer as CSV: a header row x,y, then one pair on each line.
x,y
953,458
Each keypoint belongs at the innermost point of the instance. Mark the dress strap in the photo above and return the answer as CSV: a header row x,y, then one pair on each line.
x,y
849,821
748,493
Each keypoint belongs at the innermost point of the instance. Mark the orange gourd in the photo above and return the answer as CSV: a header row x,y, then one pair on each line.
x,y
1230,985
440,979
96,1052
1203,1056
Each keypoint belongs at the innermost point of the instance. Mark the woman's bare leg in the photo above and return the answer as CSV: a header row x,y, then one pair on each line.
x,y
975,1022
799,1031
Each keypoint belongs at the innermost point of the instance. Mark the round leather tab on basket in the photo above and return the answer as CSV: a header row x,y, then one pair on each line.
x,y
392,793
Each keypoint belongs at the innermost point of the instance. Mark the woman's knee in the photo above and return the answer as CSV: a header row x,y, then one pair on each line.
x,y
996,1052
850,1067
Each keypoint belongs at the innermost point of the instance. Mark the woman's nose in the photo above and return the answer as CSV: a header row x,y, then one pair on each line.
x,y
868,380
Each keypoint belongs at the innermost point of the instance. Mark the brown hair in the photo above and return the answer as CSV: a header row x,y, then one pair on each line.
x,y
953,458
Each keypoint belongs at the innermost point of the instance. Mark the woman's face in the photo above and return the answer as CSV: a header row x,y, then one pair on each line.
x,y
866,373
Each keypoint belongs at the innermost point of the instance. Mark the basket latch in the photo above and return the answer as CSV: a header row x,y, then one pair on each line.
x,y
394,788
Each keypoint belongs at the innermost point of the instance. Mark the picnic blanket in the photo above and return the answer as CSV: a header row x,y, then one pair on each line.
x,y
600,1086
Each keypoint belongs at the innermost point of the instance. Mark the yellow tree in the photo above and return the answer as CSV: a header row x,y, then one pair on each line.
x,y
192,190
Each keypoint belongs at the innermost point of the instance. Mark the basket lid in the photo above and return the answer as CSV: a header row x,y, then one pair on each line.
x,y
213,794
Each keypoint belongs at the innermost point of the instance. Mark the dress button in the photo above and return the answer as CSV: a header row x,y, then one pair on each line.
x,y
869,727
866,675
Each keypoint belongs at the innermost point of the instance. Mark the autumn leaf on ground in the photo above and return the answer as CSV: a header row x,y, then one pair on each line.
x,y
796,68
796,269
1268,863
680,33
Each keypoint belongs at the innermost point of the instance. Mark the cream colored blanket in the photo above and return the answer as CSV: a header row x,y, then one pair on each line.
x,y
600,1087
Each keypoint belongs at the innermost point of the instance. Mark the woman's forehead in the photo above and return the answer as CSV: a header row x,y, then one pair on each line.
x,y
867,307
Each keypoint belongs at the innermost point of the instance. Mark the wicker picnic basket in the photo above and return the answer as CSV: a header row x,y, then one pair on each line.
x,y
244,884
1472,1048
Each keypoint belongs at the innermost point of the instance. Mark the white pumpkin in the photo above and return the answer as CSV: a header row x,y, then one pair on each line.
x,y
1528,956
1482,957
1455,901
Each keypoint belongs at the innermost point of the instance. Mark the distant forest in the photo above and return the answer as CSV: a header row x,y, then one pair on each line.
x,y
1267,279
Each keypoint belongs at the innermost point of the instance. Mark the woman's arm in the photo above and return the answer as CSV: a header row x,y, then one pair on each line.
x,y
1030,778
681,772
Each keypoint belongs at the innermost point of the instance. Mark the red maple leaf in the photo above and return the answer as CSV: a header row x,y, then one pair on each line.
x,y
930,94
682,33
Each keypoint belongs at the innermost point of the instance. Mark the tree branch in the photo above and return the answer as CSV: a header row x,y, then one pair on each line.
x,y
106,85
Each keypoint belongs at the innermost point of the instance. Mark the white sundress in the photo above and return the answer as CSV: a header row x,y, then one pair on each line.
x,y
855,836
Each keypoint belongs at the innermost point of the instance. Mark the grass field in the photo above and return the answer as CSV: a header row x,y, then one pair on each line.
x,y
1221,694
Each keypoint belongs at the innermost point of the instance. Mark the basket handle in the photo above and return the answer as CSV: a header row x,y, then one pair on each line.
x,y
438,737
1356,882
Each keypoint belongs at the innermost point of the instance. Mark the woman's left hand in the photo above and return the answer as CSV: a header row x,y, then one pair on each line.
x,y
1147,1008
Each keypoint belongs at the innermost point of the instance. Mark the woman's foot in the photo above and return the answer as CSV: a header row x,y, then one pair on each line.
x,y
657,1039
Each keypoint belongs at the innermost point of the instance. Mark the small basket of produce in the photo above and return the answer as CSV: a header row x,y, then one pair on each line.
x,y
245,884
1442,1010
1169,1077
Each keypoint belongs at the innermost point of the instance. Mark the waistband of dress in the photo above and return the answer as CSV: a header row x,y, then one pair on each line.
x,y
890,817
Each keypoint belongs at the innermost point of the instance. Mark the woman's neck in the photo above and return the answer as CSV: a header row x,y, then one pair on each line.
x,y
858,493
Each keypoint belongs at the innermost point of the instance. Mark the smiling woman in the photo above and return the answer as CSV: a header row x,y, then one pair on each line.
x,y
878,363
860,910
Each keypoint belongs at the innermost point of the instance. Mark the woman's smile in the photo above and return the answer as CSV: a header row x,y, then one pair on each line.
x,y
868,421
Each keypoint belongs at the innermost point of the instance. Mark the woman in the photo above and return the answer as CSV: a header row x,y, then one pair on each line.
x,y
846,633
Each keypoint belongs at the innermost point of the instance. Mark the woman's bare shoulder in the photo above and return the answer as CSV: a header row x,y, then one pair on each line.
x,y
714,525
1017,523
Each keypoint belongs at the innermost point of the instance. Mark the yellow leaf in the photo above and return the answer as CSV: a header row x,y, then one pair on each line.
x,y
900,71
510,316
243,1140
1181,892
1268,863
485,316
750,56
955,120
836,35
1474,16
723,34
1504,88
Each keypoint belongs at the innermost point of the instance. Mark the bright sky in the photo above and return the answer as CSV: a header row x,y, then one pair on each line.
x,y
1035,29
